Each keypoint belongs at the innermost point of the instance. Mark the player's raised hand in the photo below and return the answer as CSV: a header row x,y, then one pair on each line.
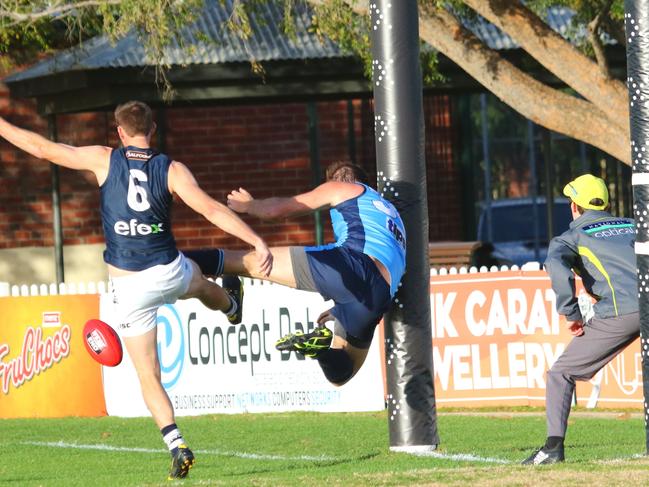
x,y
576,327
264,259
240,200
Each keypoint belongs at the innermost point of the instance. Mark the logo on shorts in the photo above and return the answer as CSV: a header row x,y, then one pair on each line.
x,y
171,345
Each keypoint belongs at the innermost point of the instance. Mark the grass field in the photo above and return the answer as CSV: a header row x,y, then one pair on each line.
x,y
321,449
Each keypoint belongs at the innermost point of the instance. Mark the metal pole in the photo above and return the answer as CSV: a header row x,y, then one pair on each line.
x,y
549,181
56,206
585,164
401,170
351,132
533,189
314,151
487,165
636,21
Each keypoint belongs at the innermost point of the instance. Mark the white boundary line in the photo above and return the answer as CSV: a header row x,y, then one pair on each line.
x,y
466,457
463,457
223,453
489,398
626,458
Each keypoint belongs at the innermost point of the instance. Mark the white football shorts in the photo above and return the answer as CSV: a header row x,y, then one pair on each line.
x,y
137,297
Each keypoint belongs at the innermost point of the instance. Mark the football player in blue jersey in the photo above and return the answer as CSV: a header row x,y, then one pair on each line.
x,y
360,272
145,267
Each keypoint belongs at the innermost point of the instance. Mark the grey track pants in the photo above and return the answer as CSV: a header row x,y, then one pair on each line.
x,y
584,356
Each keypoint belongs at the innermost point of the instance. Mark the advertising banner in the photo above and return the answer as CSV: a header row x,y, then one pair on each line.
x,y
45,370
211,366
496,334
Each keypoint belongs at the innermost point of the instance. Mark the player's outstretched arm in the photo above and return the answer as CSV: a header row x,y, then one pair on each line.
x,y
324,196
92,158
183,183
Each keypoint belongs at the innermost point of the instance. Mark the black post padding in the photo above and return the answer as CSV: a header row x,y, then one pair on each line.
x,y
636,21
401,170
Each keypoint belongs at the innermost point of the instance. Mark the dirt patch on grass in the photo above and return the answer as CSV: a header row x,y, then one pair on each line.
x,y
623,474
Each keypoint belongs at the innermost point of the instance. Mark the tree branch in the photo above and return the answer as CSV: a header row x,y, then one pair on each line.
x,y
536,101
543,105
51,11
596,41
614,29
557,55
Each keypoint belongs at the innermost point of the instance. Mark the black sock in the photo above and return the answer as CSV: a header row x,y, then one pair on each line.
x,y
210,261
553,442
336,364
172,437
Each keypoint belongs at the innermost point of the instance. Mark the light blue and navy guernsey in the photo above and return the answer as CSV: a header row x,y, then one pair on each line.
x,y
371,225
135,210
600,248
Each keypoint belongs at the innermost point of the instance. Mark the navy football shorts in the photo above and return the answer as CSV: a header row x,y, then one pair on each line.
x,y
352,280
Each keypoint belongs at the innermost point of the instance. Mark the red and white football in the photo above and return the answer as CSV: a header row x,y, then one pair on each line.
x,y
102,343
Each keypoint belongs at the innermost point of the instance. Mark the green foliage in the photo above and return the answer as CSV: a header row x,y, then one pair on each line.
x,y
31,28
612,12
23,41
158,23
351,32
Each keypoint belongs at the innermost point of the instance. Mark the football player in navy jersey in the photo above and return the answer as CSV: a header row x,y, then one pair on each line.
x,y
360,272
145,267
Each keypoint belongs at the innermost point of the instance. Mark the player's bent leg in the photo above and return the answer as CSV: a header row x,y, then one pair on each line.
x,y
341,361
244,263
357,355
210,294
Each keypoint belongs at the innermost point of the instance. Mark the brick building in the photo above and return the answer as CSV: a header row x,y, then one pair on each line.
x,y
263,147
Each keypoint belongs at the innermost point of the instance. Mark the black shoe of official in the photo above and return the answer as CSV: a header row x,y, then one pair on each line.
x,y
308,344
234,287
545,456
181,462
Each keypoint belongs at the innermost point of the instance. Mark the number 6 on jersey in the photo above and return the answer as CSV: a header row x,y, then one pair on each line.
x,y
137,196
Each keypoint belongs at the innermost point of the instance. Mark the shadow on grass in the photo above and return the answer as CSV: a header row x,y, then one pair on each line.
x,y
302,465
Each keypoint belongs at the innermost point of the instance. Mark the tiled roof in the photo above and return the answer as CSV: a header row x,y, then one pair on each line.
x,y
267,43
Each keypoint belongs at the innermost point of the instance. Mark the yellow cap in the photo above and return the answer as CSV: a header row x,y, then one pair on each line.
x,y
586,188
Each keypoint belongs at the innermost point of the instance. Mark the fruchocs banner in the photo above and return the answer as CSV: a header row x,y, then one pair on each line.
x,y
45,370
211,366
496,334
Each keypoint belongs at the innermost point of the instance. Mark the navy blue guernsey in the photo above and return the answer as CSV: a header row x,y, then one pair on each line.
x,y
135,210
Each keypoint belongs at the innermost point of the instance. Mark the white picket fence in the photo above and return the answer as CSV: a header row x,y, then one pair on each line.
x,y
445,271
101,287
53,289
